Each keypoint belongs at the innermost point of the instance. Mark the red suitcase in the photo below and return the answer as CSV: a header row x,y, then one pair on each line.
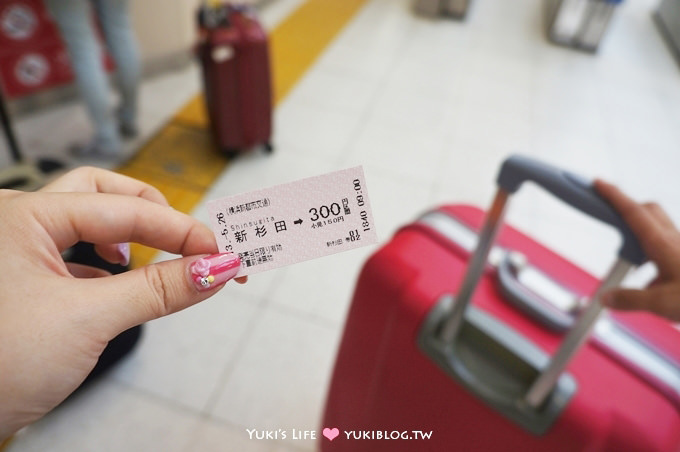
x,y
234,55
419,371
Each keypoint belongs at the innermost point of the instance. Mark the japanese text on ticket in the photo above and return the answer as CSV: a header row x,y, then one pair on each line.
x,y
295,222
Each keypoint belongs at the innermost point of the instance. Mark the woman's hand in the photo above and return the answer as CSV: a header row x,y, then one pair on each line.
x,y
56,318
660,239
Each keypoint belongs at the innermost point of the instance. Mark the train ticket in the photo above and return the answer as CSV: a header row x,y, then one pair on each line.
x,y
295,222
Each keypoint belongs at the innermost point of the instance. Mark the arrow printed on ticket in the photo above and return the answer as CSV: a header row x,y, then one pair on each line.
x,y
295,222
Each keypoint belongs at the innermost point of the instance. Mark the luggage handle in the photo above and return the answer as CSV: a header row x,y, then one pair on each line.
x,y
576,192
214,14
528,302
461,360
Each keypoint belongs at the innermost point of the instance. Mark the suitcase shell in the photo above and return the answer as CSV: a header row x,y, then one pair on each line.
x,y
237,82
383,382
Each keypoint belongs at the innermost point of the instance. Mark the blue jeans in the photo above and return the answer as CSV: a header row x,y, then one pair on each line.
x,y
75,22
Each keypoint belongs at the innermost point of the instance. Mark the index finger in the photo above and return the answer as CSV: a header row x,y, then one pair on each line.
x,y
89,179
108,218
641,222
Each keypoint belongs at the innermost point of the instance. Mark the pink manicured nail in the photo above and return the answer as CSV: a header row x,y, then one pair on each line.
x,y
124,253
211,271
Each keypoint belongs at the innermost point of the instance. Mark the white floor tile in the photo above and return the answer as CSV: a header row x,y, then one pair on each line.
x,y
410,111
355,61
432,63
108,417
258,287
182,357
312,131
406,154
215,435
322,288
380,27
280,380
468,172
330,90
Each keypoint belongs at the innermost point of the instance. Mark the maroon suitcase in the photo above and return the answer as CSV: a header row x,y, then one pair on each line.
x,y
408,379
234,55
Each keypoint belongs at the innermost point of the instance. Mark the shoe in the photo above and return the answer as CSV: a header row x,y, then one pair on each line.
x,y
128,131
127,127
94,150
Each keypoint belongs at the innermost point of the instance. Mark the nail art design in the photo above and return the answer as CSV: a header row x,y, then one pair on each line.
x,y
211,271
124,253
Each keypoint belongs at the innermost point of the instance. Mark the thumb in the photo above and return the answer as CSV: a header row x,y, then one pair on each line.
x,y
655,299
156,290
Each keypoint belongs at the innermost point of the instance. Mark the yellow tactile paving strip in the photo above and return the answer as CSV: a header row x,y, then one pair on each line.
x,y
181,160
182,163
5,444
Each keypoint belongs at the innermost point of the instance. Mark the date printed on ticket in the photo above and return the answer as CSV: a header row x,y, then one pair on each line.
x,y
295,222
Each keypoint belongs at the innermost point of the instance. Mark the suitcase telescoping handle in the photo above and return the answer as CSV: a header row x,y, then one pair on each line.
x,y
578,193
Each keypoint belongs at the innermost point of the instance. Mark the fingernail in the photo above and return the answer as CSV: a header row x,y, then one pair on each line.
x,y
124,253
211,271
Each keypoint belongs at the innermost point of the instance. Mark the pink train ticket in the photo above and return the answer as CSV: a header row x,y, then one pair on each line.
x,y
295,222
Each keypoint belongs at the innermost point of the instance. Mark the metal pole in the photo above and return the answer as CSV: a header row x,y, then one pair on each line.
x,y
545,382
476,267
8,130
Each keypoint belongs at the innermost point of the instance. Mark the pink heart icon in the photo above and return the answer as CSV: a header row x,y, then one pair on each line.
x,y
331,433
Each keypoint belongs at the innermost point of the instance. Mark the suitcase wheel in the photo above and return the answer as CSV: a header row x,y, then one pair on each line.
x,y
231,153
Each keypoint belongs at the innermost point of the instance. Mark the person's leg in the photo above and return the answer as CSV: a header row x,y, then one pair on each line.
x,y
75,24
120,39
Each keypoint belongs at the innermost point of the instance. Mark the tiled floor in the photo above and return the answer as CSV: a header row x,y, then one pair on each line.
x,y
429,108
